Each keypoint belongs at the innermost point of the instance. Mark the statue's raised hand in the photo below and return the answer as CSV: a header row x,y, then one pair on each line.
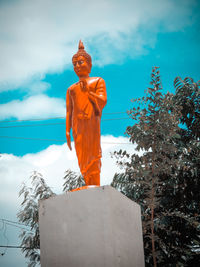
x,y
91,95
84,85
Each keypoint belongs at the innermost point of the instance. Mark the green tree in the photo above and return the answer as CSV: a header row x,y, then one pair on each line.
x,y
28,214
150,178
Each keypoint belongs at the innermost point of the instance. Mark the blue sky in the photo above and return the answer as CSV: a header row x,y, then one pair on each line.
x,y
37,40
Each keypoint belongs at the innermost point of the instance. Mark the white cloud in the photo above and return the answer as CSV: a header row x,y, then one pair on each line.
x,y
33,107
38,87
38,37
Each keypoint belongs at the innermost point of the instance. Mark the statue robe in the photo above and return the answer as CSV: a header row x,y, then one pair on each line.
x,y
86,126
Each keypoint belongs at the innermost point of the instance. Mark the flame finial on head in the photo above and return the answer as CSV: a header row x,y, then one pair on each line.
x,y
81,52
80,46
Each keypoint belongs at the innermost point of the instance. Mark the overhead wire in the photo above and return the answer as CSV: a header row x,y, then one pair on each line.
x,y
2,219
41,119
54,118
6,238
4,229
54,123
22,228
15,224
58,140
3,246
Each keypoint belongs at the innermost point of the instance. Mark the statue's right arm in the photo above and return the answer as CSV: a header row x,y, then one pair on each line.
x,y
68,119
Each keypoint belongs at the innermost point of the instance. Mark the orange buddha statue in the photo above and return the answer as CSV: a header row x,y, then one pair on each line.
x,y
85,101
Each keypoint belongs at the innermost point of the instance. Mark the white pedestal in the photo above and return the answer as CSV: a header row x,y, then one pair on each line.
x,y
97,227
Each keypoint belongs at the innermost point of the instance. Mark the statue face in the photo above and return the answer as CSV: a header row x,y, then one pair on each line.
x,y
81,67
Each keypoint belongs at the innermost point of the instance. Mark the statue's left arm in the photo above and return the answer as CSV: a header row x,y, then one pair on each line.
x,y
99,97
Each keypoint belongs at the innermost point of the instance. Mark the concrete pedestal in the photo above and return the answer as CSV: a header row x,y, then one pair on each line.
x,y
97,227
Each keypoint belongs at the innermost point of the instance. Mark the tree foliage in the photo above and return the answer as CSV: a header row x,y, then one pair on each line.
x,y
188,96
72,180
188,198
28,215
156,178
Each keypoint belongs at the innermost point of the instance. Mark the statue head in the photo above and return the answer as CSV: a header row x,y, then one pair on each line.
x,y
80,56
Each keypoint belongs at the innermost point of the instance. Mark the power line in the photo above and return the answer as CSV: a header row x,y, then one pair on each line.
x,y
42,119
30,138
4,229
30,125
2,219
22,228
14,224
55,123
116,119
58,140
55,118
3,246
